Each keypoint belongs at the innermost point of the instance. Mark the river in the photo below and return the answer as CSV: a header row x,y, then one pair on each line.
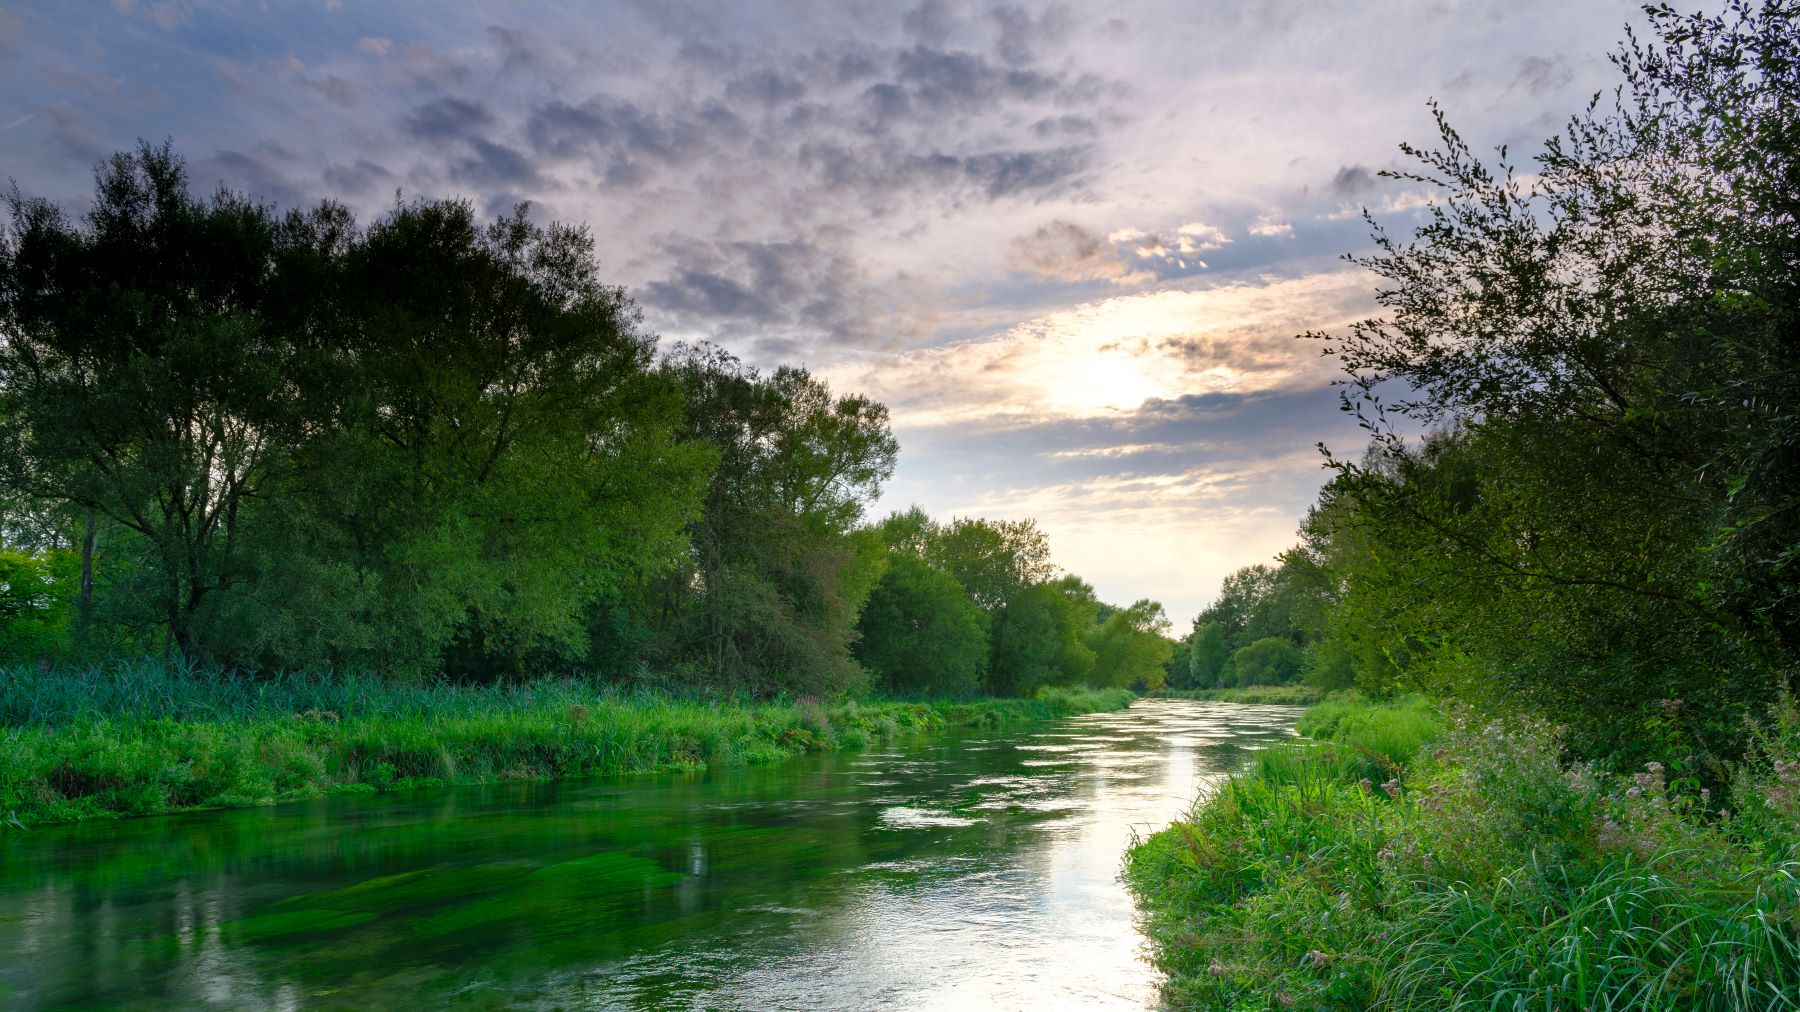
x,y
967,870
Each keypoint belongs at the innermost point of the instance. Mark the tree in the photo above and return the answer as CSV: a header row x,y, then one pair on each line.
x,y
1210,654
1272,660
503,452
146,369
1130,648
777,570
390,447
1606,515
1239,594
919,632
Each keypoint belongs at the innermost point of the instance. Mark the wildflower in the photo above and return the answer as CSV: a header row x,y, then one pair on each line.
x,y
1367,786
1392,787
1634,792
1654,767
1671,707
1319,960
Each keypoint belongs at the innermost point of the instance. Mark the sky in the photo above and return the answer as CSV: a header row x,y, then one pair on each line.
x,y
1071,246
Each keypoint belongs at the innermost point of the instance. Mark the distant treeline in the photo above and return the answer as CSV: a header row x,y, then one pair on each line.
x,y
429,446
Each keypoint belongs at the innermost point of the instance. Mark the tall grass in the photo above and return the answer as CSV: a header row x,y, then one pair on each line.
x,y
140,739
1402,861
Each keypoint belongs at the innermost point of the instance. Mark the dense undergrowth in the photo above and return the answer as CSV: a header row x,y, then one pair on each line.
x,y
1275,695
1403,859
141,740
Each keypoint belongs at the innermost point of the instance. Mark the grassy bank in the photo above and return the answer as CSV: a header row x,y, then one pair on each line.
x,y
136,740
1403,860
1277,695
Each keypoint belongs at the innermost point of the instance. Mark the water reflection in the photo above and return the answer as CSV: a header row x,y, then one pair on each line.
x,y
975,869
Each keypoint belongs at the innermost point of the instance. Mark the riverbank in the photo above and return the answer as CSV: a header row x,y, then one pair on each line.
x,y
1405,858
1271,695
136,740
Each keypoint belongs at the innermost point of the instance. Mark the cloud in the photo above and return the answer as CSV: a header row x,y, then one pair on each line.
x,y
358,178
1066,251
447,119
1351,180
930,22
255,173
622,129
773,290
1021,34
1271,225
1543,76
494,164
1100,359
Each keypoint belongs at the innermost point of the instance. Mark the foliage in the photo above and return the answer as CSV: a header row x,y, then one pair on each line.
x,y
1603,515
1271,695
777,571
919,631
417,443
1209,652
144,738
1130,648
1272,660
1359,871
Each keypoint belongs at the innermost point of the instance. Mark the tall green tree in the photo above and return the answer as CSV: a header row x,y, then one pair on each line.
x,y
919,632
147,370
1607,517
1131,648
778,569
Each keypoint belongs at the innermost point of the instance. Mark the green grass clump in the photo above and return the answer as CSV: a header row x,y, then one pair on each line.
x,y
141,740
1273,695
1399,860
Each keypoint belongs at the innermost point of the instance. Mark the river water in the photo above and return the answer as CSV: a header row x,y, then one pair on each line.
x,y
971,870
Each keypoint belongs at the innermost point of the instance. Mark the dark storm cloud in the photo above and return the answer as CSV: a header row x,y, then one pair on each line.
x,y
447,119
1351,180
